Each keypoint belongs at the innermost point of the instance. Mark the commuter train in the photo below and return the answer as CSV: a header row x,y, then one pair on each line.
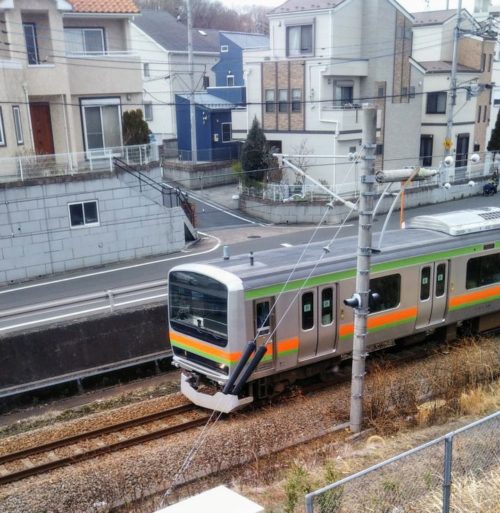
x,y
440,275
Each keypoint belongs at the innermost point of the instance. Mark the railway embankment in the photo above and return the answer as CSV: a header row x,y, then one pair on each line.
x,y
252,441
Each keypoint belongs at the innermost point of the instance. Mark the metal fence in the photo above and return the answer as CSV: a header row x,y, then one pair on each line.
x,y
458,472
30,165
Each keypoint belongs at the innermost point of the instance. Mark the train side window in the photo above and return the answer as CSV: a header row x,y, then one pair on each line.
x,y
425,283
440,279
326,306
482,271
307,311
389,290
262,317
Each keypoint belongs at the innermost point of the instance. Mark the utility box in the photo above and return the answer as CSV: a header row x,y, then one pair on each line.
x,y
216,500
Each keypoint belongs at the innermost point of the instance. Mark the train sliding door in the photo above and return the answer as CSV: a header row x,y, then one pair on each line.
x,y
433,294
264,330
317,334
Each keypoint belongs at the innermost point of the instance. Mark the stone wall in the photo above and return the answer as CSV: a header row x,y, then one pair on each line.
x,y
199,176
37,239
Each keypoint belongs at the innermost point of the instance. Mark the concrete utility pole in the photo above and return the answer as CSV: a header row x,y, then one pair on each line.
x,y
452,93
361,298
192,105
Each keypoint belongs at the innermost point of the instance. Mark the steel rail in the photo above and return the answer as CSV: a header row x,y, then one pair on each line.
x,y
86,435
98,451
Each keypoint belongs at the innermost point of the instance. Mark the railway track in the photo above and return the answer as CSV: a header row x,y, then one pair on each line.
x,y
37,460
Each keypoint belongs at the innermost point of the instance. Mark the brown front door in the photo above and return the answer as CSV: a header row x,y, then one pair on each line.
x,y
42,128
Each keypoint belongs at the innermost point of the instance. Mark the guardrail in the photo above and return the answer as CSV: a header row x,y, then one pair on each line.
x,y
57,310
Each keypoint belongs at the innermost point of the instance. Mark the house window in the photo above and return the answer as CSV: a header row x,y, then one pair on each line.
x,y
484,113
483,61
84,213
16,112
101,122
379,149
412,92
296,100
270,100
226,132
31,43
436,103
145,69
2,131
224,48
148,111
206,81
85,41
426,142
344,93
230,80
479,113
462,154
299,40
381,92
283,100
490,59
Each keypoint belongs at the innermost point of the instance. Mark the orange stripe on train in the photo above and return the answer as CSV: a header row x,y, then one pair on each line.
x,y
471,297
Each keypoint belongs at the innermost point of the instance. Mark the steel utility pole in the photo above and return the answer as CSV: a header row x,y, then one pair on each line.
x,y
360,299
192,105
452,93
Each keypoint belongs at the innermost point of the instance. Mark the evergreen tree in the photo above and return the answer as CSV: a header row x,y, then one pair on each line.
x,y
494,142
135,128
255,153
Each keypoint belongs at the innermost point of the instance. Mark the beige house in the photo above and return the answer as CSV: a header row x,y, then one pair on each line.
x,y
66,75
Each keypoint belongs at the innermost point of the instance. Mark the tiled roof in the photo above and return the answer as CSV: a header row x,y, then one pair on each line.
x,y
208,101
247,40
433,17
105,6
172,35
301,5
445,67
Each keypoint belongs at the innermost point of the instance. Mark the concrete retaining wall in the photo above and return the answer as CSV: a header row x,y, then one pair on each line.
x,y
36,236
83,345
306,212
199,176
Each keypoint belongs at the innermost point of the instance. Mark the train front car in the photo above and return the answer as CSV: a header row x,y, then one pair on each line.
x,y
206,329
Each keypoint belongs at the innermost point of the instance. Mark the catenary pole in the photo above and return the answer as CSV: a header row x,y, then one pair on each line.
x,y
192,106
363,266
452,93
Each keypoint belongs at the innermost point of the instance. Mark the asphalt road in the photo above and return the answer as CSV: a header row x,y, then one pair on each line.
x,y
241,233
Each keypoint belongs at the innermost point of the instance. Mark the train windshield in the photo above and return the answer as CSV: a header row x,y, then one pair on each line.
x,y
198,306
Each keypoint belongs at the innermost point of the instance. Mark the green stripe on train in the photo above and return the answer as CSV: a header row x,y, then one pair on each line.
x,y
273,290
474,303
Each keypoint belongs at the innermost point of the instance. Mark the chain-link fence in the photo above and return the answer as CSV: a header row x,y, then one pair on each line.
x,y
456,473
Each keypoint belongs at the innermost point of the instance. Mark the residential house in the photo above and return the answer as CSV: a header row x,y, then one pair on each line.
x,y
433,50
161,41
324,61
68,74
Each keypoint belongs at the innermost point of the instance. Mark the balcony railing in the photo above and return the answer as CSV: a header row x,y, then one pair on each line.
x,y
30,166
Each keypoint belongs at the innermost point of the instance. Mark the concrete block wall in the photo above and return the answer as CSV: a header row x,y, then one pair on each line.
x,y
36,237
199,176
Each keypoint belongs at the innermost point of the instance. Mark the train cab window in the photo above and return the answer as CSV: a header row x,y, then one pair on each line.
x,y
425,283
389,290
482,271
262,318
440,280
307,311
326,306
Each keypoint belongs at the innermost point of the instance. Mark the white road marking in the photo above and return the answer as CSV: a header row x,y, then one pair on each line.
x,y
286,245
107,271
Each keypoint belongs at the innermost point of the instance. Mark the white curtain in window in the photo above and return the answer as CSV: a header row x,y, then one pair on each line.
x,y
293,40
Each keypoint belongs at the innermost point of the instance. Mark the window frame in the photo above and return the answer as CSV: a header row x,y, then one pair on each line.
x,y
227,80
301,51
224,48
380,307
84,51
18,125
146,72
32,26
3,139
148,111
270,104
85,224
431,108
283,104
222,132
297,102
479,271
107,101
310,318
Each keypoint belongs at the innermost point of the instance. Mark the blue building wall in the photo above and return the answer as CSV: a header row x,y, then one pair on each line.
x,y
231,63
208,133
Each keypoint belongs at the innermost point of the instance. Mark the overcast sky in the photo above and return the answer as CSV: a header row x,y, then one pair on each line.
x,y
411,5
